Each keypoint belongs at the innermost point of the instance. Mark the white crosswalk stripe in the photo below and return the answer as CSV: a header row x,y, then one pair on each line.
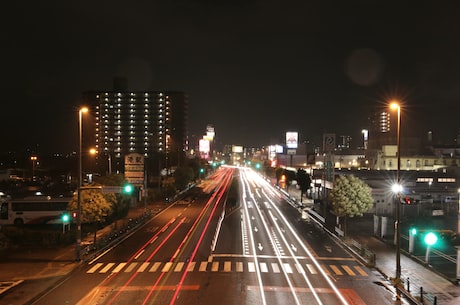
x,y
275,268
226,266
119,267
239,266
106,268
155,267
263,267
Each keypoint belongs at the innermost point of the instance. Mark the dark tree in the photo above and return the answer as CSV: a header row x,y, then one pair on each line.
x,y
304,181
278,173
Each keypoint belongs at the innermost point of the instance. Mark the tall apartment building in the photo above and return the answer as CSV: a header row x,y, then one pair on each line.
x,y
151,123
383,127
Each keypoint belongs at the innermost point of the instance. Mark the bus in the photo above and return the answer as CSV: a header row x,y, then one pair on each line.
x,y
42,210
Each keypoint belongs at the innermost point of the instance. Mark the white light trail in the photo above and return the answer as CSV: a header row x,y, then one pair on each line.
x,y
315,262
253,246
277,252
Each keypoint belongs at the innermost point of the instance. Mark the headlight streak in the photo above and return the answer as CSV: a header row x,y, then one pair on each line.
x,y
315,262
318,300
244,235
277,252
253,247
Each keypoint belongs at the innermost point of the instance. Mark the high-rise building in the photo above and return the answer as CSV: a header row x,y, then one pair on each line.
x,y
149,123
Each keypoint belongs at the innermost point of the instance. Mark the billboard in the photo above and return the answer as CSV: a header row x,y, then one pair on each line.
x,y
292,139
204,146
210,133
237,149
273,150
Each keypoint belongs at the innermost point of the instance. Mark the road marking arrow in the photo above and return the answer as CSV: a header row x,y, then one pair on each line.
x,y
260,247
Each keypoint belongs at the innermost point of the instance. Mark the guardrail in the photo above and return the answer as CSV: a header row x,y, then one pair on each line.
x,y
105,241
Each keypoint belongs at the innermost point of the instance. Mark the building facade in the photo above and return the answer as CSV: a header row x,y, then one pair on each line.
x,y
150,123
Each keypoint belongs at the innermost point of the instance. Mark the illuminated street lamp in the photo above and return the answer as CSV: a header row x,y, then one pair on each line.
x,y
79,182
109,160
397,191
34,161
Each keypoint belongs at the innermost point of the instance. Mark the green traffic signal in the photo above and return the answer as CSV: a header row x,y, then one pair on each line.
x,y
128,189
201,170
65,217
430,238
413,231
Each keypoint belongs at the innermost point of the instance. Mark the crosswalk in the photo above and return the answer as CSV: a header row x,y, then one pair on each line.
x,y
226,266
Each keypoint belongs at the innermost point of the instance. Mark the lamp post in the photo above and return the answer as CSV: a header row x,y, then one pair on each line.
x,y
109,160
458,213
396,106
34,160
79,183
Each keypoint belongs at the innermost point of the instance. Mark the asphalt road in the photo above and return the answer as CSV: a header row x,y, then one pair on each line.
x,y
204,252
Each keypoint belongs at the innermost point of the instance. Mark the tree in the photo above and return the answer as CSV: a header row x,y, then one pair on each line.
x,y
350,197
304,181
290,176
94,207
278,173
120,203
182,177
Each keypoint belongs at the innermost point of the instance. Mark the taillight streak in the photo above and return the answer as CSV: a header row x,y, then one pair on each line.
x,y
221,192
147,260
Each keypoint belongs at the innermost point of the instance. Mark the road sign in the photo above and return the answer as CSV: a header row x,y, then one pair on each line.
x,y
106,189
134,169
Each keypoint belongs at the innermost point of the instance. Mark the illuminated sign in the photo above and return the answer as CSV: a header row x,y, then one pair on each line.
x,y
204,146
292,139
237,149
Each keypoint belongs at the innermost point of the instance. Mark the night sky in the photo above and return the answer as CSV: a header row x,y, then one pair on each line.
x,y
253,69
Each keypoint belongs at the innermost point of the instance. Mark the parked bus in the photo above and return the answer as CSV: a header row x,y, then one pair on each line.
x,y
44,210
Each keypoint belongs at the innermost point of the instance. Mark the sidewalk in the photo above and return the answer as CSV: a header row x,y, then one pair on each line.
x,y
43,267
413,274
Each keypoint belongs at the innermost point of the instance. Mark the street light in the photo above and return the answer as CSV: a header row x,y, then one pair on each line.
x,y
79,182
458,213
34,160
396,106
109,160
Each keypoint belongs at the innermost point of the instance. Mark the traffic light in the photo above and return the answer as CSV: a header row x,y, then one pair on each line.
x,y
412,233
65,217
430,238
127,189
201,170
258,165
406,200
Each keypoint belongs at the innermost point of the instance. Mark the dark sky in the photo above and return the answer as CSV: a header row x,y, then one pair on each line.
x,y
253,69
